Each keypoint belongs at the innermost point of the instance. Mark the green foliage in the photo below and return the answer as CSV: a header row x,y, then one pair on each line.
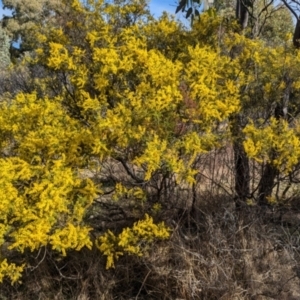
x,y
4,49
276,24
25,15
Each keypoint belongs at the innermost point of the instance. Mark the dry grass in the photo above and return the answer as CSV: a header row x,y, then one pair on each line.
x,y
214,253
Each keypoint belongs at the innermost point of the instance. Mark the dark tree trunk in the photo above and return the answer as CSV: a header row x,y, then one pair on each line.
x,y
296,37
242,13
242,170
267,183
241,161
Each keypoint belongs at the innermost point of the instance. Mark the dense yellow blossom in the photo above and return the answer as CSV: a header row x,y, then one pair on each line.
x,y
277,136
107,91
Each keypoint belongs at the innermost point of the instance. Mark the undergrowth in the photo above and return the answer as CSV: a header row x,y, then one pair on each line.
x,y
215,252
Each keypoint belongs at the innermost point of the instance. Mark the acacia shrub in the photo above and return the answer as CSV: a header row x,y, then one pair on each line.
x,y
105,96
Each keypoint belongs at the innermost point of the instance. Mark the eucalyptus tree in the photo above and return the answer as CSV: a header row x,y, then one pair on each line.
x,y
4,49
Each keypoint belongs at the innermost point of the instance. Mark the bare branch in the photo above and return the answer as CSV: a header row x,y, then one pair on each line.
x,y
290,8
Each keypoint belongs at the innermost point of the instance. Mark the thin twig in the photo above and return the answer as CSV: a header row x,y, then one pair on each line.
x,y
136,298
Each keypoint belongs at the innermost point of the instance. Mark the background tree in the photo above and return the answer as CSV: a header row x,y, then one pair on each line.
x,y
25,15
4,49
261,19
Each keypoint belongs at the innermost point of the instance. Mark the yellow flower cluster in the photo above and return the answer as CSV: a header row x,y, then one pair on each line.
x,y
278,136
43,200
11,271
131,240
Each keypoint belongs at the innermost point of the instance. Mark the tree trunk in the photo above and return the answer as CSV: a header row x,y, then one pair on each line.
x,y
242,13
296,37
241,161
242,170
266,183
